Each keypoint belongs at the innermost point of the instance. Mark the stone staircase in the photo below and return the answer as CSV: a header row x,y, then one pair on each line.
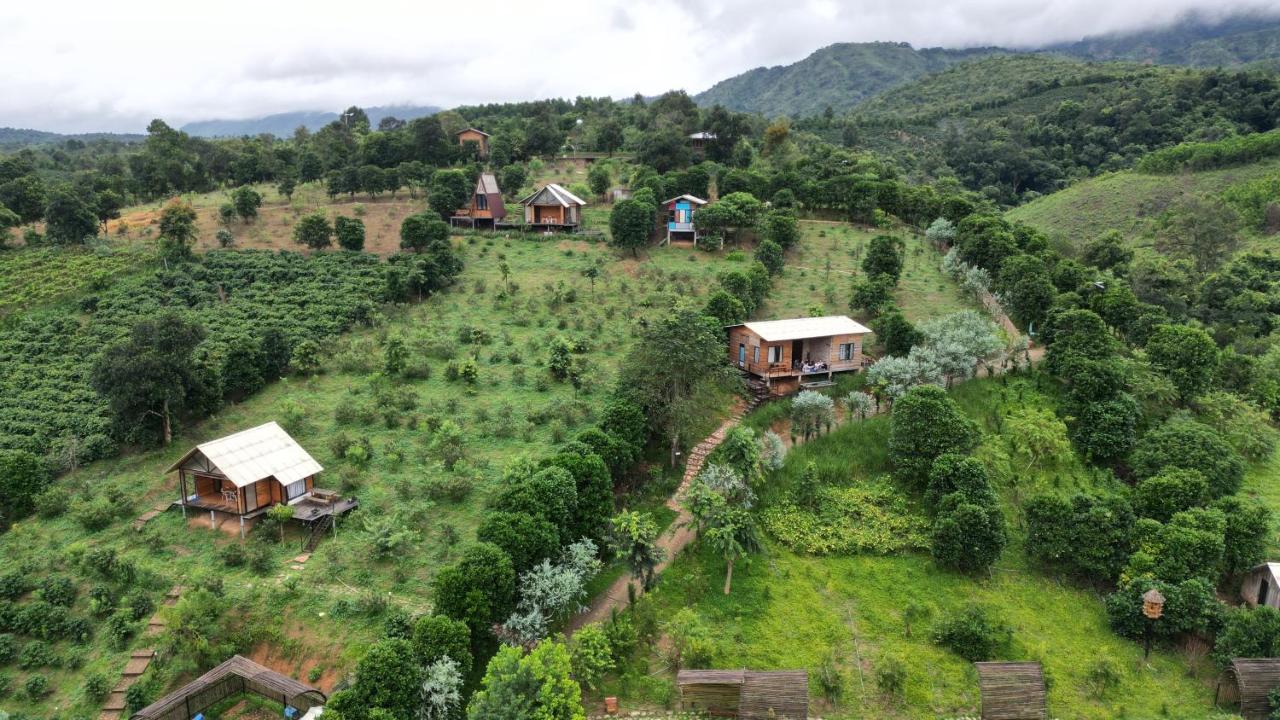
x,y
698,456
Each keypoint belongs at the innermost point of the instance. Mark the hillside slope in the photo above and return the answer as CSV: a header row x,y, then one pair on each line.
x,y
1237,40
1126,201
839,76
844,75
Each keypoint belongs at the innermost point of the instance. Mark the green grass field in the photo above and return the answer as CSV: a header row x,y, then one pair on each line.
x,y
821,270
841,616
1126,201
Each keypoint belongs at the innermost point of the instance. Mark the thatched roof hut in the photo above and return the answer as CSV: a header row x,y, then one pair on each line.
x,y
1012,690
236,676
1245,685
746,694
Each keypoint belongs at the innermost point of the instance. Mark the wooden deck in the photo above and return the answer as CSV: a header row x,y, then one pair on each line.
x,y
310,509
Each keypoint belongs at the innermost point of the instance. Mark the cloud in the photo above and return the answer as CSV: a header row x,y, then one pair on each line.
x,y
71,66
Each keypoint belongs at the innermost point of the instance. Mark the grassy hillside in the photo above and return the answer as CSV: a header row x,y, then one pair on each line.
x,y
842,616
1128,201
315,619
838,76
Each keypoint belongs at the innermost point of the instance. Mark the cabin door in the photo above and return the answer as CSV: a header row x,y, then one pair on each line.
x,y
742,354
1263,586
797,353
250,493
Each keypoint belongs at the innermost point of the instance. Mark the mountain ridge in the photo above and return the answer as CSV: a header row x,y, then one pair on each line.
x,y
283,124
844,75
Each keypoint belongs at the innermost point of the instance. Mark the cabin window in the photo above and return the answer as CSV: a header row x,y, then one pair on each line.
x,y
846,351
294,490
775,353
482,202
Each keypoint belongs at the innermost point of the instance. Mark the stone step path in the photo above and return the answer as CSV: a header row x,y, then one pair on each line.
x,y
139,661
149,515
156,624
678,534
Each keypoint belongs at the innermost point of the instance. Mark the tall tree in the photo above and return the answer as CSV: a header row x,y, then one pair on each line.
x,y
152,376
678,360
631,225
177,230
68,219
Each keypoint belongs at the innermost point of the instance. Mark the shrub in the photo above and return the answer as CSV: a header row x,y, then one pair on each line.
x,y
96,686
973,634
120,628
52,501
1248,633
691,641
622,635
590,655
36,687
891,676
927,423
952,473
94,513
1184,443
1172,491
1104,674
8,648
37,654
967,536
58,590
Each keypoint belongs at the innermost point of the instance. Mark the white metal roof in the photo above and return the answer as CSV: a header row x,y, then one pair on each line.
x,y
558,194
702,136
1272,567
257,454
686,196
810,327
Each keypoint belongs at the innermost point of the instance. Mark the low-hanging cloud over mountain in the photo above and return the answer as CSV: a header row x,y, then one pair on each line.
x,y
72,66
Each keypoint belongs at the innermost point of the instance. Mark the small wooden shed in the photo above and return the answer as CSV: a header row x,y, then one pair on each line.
x,y
1012,690
1245,684
1261,586
553,208
479,137
745,694
236,676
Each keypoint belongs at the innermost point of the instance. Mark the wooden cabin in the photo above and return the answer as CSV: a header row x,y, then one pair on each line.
x,y
553,208
745,694
485,207
680,225
243,475
1261,586
788,355
698,143
479,137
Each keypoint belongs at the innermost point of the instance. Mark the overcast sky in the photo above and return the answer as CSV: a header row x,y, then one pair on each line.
x,y
80,65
